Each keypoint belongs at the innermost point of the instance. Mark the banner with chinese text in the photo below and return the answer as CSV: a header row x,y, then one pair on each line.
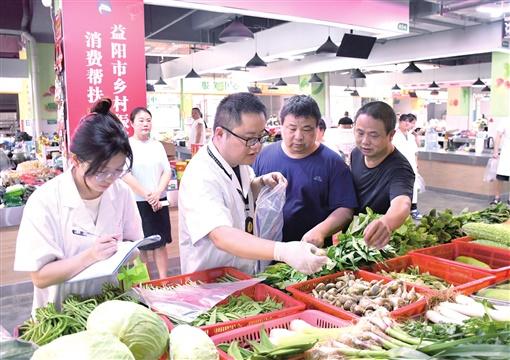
x,y
103,56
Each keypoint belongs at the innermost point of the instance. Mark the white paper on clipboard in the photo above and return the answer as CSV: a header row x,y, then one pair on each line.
x,y
113,263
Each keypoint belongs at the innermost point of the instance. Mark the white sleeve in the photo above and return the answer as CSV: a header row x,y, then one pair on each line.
x,y
37,242
163,158
203,205
132,222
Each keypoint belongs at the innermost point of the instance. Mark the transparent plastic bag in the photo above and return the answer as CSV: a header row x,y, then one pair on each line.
x,y
269,216
420,183
184,303
490,170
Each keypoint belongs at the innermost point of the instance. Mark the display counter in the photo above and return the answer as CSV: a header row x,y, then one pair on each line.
x,y
182,152
11,216
456,172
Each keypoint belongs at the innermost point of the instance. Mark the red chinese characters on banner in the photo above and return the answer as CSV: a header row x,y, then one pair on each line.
x,y
103,56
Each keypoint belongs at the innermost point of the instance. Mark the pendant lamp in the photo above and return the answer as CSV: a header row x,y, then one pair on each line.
x,y
395,87
281,82
315,79
434,85
434,92
272,87
355,93
357,74
160,81
486,89
412,68
255,61
192,75
235,32
348,89
478,83
328,48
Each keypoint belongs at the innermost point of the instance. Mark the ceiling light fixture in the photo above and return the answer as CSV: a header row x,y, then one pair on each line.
x,y
396,87
486,89
355,93
412,68
348,89
281,82
434,85
328,48
478,83
272,87
434,92
192,74
255,61
160,81
315,79
149,87
235,32
357,74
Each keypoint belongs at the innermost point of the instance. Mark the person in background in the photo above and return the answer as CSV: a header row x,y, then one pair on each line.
x,y
405,141
320,192
383,177
321,129
345,120
345,140
197,133
77,218
217,195
502,152
149,178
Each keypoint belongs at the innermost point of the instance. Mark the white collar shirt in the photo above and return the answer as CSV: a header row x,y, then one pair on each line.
x,y
209,198
46,231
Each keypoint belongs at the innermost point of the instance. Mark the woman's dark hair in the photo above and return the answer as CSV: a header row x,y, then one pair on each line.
x,y
230,109
99,137
381,111
301,106
403,117
136,111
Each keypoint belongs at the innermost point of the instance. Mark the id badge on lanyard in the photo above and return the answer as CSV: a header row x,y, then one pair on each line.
x,y
248,222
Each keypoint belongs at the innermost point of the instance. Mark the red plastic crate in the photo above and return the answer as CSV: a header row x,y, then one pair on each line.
x,y
497,258
206,276
313,317
257,292
462,239
302,291
464,279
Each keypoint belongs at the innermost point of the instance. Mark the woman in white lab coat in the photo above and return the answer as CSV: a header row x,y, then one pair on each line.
x,y
502,152
76,219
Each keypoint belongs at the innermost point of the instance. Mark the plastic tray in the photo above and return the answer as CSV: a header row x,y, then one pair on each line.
x,y
302,291
494,301
313,317
257,292
464,279
497,258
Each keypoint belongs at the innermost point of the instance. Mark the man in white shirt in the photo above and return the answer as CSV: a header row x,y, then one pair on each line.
x,y
218,192
405,141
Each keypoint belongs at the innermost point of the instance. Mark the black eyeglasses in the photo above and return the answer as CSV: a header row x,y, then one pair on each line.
x,y
250,141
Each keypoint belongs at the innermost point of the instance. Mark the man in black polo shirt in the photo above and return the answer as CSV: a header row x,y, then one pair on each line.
x,y
383,178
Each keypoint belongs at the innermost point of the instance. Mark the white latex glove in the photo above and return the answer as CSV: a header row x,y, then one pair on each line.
x,y
300,255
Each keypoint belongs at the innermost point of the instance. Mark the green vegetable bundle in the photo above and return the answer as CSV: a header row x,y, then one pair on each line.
x,y
238,307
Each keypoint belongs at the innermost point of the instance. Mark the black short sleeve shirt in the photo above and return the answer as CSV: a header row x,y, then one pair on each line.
x,y
377,186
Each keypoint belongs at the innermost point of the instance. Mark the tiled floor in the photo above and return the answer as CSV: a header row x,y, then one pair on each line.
x,y
16,300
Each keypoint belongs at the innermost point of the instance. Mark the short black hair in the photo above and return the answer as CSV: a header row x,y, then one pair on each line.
x,y
301,106
403,117
381,111
197,109
322,124
99,137
137,110
345,121
228,113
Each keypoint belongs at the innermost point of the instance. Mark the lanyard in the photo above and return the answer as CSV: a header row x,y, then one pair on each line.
x,y
248,224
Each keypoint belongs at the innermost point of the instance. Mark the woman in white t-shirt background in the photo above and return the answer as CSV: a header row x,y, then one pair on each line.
x,y
197,133
149,178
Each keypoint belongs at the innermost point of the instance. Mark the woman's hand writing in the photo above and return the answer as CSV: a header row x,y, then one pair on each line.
x,y
104,247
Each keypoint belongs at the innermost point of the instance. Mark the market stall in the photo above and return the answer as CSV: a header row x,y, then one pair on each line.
x,y
432,291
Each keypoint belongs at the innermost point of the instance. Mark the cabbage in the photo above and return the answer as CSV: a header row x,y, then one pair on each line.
x,y
84,345
191,343
143,332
